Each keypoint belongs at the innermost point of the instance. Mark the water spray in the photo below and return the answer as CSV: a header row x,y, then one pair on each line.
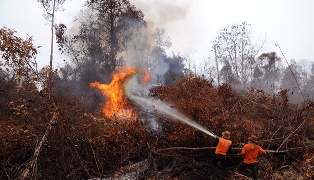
x,y
164,109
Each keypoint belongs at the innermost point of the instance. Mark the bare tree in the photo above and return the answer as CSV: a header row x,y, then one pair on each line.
x,y
105,30
233,47
215,46
267,72
308,85
50,7
290,81
117,20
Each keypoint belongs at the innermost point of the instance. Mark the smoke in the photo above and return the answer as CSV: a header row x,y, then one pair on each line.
x,y
162,13
143,52
144,47
140,54
186,22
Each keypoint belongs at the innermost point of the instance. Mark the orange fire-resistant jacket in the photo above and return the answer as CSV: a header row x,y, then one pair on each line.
x,y
251,152
223,146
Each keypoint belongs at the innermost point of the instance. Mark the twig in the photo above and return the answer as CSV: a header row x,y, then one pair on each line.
x,y
294,157
299,87
240,175
95,157
79,157
33,163
273,136
6,173
73,172
264,106
289,149
292,133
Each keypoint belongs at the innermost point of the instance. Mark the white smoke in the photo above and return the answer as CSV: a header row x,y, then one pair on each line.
x,y
141,53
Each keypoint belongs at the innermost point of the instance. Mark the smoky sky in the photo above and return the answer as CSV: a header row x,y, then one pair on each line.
x,y
191,25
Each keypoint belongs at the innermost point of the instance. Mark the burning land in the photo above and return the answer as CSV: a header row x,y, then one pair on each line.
x,y
140,136
123,108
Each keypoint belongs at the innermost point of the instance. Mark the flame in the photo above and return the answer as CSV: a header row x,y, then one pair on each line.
x,y
144,75
117,104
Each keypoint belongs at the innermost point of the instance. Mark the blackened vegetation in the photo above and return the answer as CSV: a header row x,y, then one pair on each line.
x,y
83,145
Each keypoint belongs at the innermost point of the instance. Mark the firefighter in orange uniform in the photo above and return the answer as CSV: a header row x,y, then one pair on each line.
x,y
223,147
251,151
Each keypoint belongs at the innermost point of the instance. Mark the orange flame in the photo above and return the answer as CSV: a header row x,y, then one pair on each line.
x,y
144,75
117,104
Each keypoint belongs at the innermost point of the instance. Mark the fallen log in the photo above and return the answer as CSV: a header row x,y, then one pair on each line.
x,y
33,162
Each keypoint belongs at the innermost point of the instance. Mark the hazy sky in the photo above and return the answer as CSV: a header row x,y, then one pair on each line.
x,y
191,24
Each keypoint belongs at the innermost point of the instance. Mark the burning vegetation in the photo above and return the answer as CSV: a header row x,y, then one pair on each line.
x,y
157,118
117,104
85,145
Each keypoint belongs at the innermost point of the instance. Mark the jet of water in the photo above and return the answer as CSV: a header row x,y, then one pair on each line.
x,y
164,109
